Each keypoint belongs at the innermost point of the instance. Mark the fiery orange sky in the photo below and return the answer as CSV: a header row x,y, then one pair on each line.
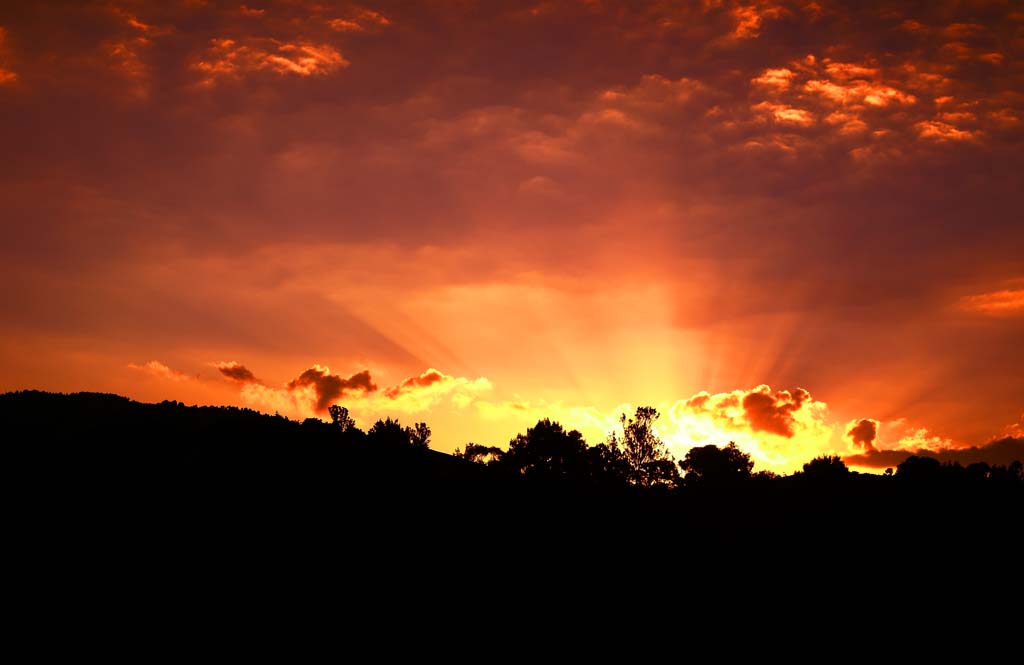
x,y
796,225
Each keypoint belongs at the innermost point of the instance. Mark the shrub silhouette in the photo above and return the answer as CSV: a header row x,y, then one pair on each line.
x,y
710,465
480,454
548,451
917,468
827,468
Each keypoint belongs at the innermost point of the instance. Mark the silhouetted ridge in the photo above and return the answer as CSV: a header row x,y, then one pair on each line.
x,y
105,469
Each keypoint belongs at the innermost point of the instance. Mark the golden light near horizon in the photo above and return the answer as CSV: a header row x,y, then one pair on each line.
x,y
769,220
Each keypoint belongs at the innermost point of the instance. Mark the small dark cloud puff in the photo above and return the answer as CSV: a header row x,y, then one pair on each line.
x,y
236,372
329,387
862,433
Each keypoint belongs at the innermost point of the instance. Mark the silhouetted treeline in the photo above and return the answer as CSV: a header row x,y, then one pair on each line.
x,y
96,468
549,453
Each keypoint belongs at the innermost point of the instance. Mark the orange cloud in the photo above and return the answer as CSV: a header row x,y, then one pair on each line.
x,y
371,16
133,21
6,75
359,20
961,116
245,10
126,58
429,389
651,94
345,25
1005,118
963,30
962,51
749,18
160,370
943,131
773,412
1007,301
921,439
780,79
900,434
858,92
849,123
305,59
847,95
1017,428
128,52
846,71
231,59
879,106
427,378
786,114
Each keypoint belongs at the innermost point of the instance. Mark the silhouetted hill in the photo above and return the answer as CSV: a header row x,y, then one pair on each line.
x,y
181,458
96,472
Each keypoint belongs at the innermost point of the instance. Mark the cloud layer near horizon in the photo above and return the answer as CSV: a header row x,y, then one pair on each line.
x,y
780,429
585,202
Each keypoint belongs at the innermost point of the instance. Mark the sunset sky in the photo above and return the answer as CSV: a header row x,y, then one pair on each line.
x,y
794,225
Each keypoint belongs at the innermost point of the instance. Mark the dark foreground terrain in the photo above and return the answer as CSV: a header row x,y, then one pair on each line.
x,y
109,489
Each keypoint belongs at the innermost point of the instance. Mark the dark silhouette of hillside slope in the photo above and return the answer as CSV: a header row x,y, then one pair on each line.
x,y
227,488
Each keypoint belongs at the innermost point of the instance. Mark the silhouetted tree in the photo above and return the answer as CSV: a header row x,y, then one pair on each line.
x,y
547,450
645,456
475,452
918,468
953,472
340,418
388,433
826,468
1012,474
419,435
978,471
711,465
607,464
